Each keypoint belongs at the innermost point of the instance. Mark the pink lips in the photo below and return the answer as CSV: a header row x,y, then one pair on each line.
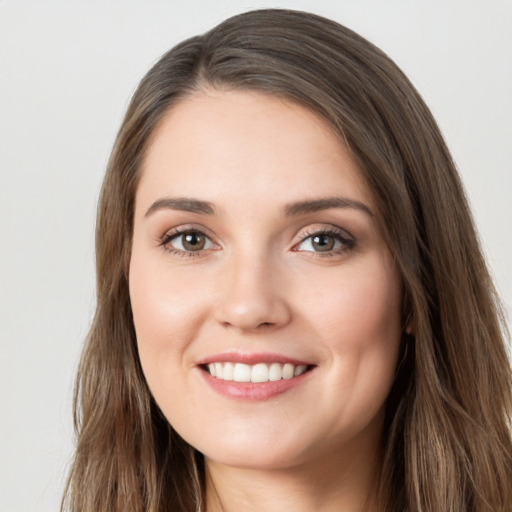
x,y
251,391
246,358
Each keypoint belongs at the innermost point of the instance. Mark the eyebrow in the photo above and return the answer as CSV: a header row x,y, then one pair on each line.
x,y
315,205
185,204
188,204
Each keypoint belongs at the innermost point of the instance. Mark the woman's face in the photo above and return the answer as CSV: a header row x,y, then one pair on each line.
x,y
256,256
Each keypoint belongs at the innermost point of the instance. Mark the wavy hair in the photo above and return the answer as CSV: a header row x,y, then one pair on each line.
x,y
447,438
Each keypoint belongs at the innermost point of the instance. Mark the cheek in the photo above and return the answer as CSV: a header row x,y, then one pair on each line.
x,y
167,316
358,319
166,312
361,307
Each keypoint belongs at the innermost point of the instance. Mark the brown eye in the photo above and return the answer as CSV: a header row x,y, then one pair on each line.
x,y
326,242
188,242
323,243
193,241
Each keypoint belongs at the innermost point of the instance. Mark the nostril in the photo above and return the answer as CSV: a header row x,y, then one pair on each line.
x,y
253,312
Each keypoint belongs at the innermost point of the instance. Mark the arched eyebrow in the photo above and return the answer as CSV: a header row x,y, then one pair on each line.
x,y
315,205
185,204
189,204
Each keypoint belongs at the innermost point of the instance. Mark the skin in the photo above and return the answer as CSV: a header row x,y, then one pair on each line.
x,y
260,284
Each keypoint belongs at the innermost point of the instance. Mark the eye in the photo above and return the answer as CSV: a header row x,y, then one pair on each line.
x,y
328,242
187,242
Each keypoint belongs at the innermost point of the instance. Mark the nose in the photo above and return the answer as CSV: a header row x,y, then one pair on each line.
x,y
252,297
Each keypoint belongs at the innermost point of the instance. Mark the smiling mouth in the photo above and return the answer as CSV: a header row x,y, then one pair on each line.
x,y
257,373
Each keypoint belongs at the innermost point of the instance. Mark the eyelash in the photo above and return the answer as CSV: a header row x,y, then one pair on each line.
x,y
166,240
347,242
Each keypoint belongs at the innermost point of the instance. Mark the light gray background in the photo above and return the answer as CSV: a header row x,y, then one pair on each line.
x,y
67,70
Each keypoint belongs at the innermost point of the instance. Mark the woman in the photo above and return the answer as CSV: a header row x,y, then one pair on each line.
x,y
292,306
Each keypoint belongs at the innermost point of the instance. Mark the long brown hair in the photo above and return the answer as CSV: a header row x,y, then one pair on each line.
x,y
447,440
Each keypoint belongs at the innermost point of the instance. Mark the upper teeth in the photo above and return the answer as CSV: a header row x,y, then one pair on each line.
x,y
260,372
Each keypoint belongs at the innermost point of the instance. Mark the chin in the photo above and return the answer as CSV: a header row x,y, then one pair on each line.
x,y
249,450
254,459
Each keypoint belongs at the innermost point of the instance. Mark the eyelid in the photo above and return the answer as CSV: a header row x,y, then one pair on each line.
x,y
343,236
347,240
171,234
316,229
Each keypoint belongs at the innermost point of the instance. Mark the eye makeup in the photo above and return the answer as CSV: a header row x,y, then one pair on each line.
x,y
319,241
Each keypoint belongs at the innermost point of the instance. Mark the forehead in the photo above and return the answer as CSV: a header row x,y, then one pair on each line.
x,y
251,144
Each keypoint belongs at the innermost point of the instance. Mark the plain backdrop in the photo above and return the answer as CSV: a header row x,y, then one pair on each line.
x,y
67,71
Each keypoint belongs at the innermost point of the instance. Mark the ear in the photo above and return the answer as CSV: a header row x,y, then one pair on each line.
x,y
410,325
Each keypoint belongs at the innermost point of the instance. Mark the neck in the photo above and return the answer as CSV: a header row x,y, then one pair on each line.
x,y
345,481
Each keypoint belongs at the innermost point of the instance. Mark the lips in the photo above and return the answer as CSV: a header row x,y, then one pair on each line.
x,y
253,376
